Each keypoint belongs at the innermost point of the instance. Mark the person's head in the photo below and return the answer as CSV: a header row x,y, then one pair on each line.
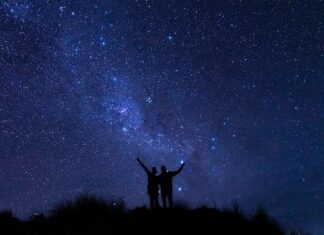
x,y
154,170
163,168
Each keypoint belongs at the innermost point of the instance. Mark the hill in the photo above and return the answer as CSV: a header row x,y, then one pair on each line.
x,y
90,215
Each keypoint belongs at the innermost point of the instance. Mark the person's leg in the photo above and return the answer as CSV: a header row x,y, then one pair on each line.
x,y
170,199
151,202
156,201
163,195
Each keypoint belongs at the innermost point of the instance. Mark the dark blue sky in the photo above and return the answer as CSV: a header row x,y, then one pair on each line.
x,y
234,88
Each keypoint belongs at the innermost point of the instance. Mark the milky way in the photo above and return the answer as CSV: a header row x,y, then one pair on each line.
x,y
234,88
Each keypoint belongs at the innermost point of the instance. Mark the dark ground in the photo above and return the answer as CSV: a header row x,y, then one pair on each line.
x,y
89,215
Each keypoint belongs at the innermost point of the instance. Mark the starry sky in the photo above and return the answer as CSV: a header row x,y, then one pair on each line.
x,y
234,88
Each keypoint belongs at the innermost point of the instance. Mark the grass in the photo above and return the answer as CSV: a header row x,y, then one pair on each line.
x,y
92,215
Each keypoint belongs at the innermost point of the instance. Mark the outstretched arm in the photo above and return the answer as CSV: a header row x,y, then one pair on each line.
x,y
142,164
174,173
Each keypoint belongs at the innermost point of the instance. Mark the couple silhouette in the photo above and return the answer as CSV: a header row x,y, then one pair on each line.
x,y
165,182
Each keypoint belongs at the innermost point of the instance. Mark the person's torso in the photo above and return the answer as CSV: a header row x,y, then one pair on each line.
x,y
166,180
152,181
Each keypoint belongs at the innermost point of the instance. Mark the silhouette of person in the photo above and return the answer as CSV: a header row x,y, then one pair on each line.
x,y
152,185
165,180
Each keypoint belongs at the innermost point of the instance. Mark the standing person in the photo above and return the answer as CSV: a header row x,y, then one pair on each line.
x,y
165,180
152,185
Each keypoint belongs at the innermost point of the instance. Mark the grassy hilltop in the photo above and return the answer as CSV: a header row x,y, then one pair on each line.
x,y
90,215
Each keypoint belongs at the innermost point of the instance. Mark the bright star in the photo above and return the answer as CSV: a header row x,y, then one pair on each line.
x,y
123,110
149,100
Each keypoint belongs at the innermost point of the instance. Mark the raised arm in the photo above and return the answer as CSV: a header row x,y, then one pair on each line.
x,y
144,167
174,173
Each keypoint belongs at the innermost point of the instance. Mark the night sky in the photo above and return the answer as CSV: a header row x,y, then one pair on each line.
x,y
234,88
